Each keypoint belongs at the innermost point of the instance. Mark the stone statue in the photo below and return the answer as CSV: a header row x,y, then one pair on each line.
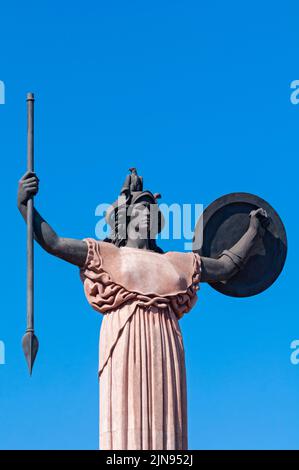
x,y
142,293
133,182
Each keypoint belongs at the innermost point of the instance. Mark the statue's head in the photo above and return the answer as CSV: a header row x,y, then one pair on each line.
x,y
135,215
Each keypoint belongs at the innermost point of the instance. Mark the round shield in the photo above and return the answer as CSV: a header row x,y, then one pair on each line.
x,y
223,223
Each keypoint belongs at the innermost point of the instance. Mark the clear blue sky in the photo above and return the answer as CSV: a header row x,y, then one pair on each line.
x,y
196,95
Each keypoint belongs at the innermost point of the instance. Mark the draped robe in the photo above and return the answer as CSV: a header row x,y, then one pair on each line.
x,y
142,377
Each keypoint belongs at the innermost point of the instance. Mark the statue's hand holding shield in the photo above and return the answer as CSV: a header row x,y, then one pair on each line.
x,y
224,222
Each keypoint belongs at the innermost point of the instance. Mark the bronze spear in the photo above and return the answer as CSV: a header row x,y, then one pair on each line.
x,y
30,341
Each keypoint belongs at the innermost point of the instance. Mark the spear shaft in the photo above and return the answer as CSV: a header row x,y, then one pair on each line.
x,y
30,341
30,252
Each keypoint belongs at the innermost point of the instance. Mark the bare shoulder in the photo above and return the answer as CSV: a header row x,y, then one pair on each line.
x,y
183,260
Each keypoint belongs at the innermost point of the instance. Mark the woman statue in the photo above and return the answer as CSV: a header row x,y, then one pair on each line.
x,y
142,293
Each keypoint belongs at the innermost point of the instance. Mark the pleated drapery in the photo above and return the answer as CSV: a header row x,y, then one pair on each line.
x,y
142,375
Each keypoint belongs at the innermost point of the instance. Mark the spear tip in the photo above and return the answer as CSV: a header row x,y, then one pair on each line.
x,y
30,348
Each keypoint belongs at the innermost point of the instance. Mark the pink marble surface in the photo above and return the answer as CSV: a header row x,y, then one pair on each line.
x,y
142,295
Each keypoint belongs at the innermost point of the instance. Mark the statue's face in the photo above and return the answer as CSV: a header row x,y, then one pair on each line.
x,y
143,219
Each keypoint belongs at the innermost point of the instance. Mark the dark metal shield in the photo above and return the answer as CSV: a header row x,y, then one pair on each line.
x,y
223,223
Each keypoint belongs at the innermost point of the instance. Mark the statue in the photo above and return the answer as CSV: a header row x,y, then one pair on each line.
x,y
133,182
142,293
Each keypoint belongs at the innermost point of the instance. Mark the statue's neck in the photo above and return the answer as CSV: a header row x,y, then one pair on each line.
x,y
142,244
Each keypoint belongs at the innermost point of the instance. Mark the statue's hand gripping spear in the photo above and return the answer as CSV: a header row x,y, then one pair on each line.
x,y
30,341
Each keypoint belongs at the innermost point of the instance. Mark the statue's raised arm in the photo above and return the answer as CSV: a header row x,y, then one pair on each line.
x,y
234,259
71,250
